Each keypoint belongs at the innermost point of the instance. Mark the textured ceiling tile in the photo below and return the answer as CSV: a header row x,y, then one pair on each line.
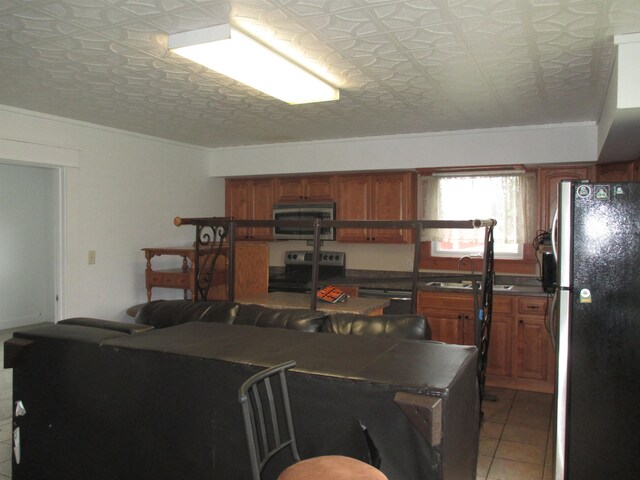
x,y
574,39
315,8
144,8
38,24
186,18
345,25
86,13
486,30
435,36
410,14
402,66
439,56
465,9
569,17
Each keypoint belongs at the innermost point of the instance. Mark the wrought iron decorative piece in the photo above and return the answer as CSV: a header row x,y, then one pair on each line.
x,y
209,241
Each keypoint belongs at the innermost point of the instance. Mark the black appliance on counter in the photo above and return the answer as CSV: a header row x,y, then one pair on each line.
x,y
598,329
297,271
549,280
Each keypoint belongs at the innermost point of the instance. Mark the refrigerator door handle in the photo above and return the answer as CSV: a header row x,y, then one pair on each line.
x,y
553,320
562,378
554,231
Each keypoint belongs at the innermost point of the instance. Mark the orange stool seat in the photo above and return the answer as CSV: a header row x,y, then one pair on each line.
x,y
331,467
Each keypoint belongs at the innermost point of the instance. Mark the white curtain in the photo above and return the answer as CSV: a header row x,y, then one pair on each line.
x,y
508,198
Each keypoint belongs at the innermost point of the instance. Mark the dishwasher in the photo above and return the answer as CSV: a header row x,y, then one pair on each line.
x,y
400,300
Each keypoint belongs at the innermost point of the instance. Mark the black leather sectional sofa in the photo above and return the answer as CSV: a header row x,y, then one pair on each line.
x,y
157,399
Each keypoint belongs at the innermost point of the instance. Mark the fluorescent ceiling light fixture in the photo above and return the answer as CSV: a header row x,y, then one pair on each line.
x,y
234,54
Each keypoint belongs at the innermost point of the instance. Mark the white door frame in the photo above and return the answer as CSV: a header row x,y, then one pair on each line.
x,y
61,158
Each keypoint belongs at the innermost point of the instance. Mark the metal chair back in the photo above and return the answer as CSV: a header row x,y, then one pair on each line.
x,y
266,412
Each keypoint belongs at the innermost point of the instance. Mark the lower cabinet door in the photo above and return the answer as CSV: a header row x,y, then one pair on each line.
x,y
532,356
500,355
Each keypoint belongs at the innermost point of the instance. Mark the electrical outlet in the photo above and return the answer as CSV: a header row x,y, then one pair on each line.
x,y
408,264
92,257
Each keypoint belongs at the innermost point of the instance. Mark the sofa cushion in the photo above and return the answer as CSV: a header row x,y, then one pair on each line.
x,y
291,318
166,313
405,327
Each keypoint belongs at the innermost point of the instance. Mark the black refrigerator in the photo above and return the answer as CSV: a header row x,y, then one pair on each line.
x,y
597,330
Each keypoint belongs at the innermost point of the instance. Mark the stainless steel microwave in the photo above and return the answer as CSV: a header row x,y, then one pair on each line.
x,y
303,211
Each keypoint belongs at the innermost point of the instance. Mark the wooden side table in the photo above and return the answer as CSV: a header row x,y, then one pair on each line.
x,y
182,278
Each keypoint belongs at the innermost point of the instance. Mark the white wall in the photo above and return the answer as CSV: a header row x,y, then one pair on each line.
x,y
122,197
557,143
27,238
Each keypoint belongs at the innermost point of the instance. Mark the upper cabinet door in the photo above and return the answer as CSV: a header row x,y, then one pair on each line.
x,y
313,188
250,199
239,203
394,198
262,207
617,172
320,188
353,202
381,196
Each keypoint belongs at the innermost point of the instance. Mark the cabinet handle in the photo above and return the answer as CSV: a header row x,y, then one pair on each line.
x,y
533,307
520,322
373,239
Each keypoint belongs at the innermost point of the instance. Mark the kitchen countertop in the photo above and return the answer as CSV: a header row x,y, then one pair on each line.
x,y
395,282
358,305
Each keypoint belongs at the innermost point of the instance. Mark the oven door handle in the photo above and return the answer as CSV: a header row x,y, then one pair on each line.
x,y
399,295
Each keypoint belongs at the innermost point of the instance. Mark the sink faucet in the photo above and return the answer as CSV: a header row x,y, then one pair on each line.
x,y
470,258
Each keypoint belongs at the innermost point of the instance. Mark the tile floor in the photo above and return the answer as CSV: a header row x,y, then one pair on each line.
x,y
514,436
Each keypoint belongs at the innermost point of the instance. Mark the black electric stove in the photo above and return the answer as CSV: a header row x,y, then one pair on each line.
x,y
297,271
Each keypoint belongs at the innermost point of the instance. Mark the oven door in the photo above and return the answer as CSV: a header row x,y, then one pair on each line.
x,y
399,300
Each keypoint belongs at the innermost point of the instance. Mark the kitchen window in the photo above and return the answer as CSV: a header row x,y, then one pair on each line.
x,y
508,197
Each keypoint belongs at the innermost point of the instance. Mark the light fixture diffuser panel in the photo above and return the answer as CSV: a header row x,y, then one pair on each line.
x,y
238,56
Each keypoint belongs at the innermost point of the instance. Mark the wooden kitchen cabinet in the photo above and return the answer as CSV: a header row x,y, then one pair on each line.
x,y
534,357
384,196
252,269
317,188
520,354
450,316
250,199
617,172
548,180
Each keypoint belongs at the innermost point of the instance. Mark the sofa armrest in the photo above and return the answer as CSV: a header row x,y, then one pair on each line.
x,y
403,327
107,325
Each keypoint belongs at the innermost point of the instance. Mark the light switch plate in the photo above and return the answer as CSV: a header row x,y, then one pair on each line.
x,y
92,257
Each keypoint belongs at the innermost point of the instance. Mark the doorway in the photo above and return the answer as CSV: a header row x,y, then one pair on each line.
x,y
30,244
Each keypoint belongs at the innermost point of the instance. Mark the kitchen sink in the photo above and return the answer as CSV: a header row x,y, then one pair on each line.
x,y
449,284
466,285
